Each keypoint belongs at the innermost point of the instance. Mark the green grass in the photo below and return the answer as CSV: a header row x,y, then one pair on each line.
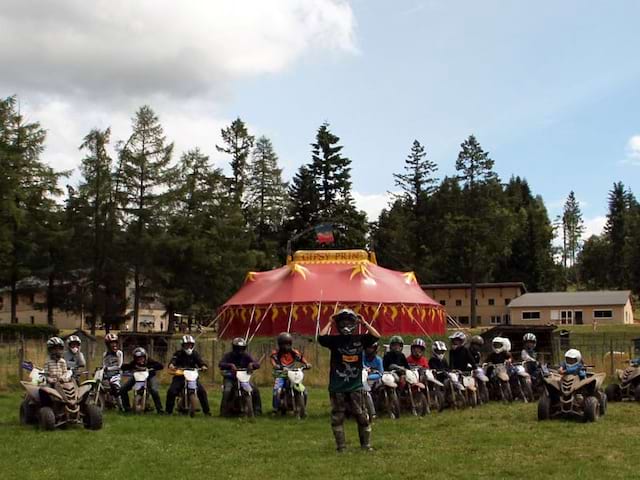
x,y
494,441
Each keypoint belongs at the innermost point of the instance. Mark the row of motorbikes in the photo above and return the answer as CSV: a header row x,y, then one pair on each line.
x,y
421,391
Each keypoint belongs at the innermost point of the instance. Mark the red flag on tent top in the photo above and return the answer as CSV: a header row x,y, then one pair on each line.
x,y
324,234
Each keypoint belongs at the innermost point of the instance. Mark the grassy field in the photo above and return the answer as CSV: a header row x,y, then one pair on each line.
x,y
494,441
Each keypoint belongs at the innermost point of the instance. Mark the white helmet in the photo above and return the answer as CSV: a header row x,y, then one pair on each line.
x,y
457,336
500,344
74,339
573,356
529,337
188,340
438,348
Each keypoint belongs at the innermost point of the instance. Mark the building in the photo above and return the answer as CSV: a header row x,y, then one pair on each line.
x,y
572,308
492,300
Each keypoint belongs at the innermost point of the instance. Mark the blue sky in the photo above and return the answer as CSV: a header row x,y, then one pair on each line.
x,y
549,88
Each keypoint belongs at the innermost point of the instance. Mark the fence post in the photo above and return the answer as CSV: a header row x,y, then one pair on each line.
x,y
611,353
21,356
213,361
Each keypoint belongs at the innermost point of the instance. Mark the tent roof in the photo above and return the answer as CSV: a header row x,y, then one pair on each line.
x,y
349,282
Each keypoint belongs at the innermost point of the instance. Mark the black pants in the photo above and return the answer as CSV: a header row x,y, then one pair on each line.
x,y
177,384
152,388
228,391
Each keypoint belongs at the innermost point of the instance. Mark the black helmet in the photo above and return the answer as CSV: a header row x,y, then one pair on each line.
x,y
238,345
285,338
346,321
477,340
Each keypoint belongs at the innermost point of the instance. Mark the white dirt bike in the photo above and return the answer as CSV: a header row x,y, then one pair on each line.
x,y
187,399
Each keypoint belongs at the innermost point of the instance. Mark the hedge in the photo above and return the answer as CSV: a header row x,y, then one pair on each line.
x,y
17,330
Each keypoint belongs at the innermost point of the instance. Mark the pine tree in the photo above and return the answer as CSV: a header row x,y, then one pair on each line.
x,y
237,143
144,174
616,231
304,207
573,227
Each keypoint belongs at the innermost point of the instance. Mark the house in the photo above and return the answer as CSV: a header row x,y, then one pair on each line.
x,y
492,300
572,308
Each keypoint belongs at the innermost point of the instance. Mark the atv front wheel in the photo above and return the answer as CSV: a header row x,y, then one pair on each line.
x,y
46,418
636,393
603,403
614,392
28,414
544,407
591,409
92,417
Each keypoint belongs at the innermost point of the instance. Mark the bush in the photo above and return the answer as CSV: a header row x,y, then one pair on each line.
x,y
16,330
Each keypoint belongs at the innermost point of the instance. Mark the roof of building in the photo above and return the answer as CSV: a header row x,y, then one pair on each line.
x,y
442,286
572,299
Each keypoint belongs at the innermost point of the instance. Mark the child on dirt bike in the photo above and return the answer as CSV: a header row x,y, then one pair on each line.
x,y
573,365
345,374
460,358
417,358
284,356
372,362
394,359
186,357
237,358
74,357
475,345
529,354
141,362
55,367
112,363
437,361
500,354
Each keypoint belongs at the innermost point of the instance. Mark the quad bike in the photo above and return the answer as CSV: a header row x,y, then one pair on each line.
x,y
57,406
101,392
482,382
141,402
454,390
187,399
292,397
500,383
522,387
569,396
388,399
413,394
470,385
629,386
433,391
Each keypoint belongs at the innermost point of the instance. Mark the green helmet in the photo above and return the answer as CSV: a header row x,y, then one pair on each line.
x,y
396,339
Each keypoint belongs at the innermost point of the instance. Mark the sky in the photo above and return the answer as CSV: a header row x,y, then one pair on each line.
x,y
549,88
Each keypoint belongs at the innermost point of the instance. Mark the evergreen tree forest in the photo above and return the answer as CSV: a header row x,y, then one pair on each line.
x,y
172,225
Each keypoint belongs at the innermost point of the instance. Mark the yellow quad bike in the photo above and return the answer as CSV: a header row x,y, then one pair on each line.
x,y
57,406
569,396
629,386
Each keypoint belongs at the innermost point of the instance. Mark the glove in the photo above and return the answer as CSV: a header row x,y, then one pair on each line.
x,y
204,368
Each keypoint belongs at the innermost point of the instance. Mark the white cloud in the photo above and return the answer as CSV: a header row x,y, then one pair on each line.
x,y
633,150
372,203
77,65
594,226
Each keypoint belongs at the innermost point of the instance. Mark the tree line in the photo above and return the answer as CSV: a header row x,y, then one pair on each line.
x,y
171,226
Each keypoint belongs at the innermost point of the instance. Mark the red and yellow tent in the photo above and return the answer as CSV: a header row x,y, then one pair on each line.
x,y
301,296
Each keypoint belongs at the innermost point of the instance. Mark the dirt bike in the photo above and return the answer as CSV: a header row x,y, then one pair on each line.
x,y
629,386
521,384
482,382
243,399
434,391
388,398
141,402
470,389
454,390
413,394
537,371
292,395
568,396
101,391
187,398
59,405
368,394
500,382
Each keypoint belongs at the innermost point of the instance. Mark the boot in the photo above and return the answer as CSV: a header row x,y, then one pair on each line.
x,y
365,437
338,433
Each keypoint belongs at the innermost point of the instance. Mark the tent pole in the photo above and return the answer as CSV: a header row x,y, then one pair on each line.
x,y
260,323
375,315
214,320
419,325
224,329
290,315
253,311
318,318
335,309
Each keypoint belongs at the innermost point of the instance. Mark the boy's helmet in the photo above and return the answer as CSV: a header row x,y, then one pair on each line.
x,y
139,352
110,337
54,342
477,340
74,339
188,342
572,356
238,345
438,348
499,345
346,321
529,337
284,338
373,347
396,339
420,343
457,337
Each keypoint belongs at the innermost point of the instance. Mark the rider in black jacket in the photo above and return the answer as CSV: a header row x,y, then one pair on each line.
x,y
186,358
460,358
140,362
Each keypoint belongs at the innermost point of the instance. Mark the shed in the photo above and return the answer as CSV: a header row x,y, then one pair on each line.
x,y
544,334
